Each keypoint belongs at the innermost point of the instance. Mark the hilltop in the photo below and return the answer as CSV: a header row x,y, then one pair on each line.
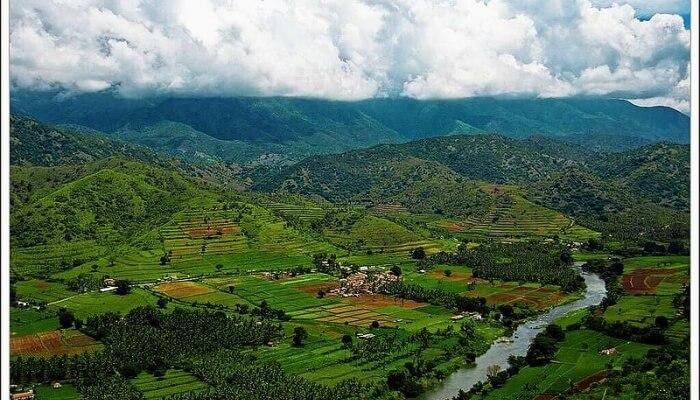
x,y
264,130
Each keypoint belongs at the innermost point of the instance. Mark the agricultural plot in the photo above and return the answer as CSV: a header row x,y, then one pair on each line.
x,y
91,303
655,275
304,212
173,382
42,291
50,343
65,392
46,259
641,310
460,280
27,321
380,236
578,358
514,216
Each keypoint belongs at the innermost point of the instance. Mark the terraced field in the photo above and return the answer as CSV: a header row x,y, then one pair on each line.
x,y
303,212
45,259
514,216
43,291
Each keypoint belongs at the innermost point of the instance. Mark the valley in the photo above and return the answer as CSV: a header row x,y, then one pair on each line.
x,y
385,272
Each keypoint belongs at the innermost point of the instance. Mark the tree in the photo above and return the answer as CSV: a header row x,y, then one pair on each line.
x,y
347,341
374,324
321,294
219,267
123,287
162,302
299,335
396,270
65,318
448,273
231,288
418,253
661,322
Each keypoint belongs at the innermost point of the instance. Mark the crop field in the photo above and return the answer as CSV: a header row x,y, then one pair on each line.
x,y
655,275
65,392
27,321
42,291
52,343
303,212
641,310
530,294
86,304
36,260
173,382
513,216
578,358
181,290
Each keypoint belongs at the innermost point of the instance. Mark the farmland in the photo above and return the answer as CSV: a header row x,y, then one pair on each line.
x,y
150,278
51,343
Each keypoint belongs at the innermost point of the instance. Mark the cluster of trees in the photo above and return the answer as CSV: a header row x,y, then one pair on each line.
x,y
265,311
610,272
663,373
232,375
84,282
145,339
544,346
546,263
653,334
436,296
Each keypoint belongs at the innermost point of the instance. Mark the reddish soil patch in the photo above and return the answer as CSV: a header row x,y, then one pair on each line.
x,y
546,396
180,290
381,300
590,380
41,284
455,276
314,288
50,343
645,280
522,289
499,298
454,227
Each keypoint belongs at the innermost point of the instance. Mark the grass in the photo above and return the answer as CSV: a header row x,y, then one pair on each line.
x,y
43,291
87,304
641,310
173,382
65,392
26,321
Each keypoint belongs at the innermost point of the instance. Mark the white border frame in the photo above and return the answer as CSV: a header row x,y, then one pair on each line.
x,y
5,186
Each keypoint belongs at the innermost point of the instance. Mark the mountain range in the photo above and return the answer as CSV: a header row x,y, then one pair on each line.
x,y
264,131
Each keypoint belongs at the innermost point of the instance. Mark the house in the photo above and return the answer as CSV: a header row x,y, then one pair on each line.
x,y
609,352
22,395
457,317
22,304
56,385
366,336
108,289
107,282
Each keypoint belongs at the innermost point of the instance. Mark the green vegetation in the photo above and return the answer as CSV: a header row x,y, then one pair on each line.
x,y
369,274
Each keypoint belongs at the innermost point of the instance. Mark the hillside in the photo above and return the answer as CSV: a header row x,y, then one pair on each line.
x,y
292,128
602,192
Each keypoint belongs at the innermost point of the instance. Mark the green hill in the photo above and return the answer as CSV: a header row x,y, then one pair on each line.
x,y
292,128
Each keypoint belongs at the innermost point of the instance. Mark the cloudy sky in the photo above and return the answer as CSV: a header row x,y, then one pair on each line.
x,y
349,50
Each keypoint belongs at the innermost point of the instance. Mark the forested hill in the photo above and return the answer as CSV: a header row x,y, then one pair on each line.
x,y
244,129
612,193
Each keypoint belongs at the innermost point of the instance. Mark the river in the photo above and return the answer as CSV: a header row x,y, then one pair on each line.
x,y
499,352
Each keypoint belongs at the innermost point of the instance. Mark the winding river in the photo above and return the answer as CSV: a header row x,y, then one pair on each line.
x,y
500,351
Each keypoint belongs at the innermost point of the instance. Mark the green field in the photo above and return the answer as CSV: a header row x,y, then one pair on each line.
x,y
173,382
65,392
577,358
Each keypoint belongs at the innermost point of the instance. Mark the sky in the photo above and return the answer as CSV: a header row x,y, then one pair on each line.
x,y
352,50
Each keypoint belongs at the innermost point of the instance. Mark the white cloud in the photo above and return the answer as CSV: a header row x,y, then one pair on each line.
x,y
352,50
